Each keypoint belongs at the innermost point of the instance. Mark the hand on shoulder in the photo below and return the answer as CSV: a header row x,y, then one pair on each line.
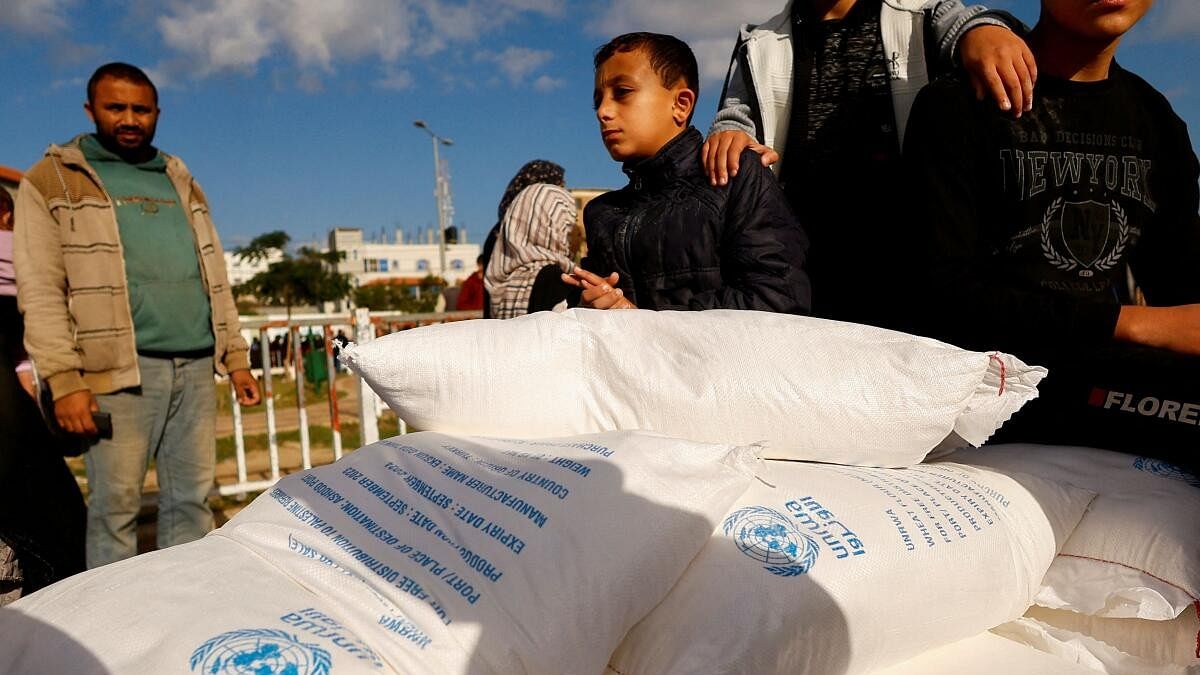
x,y
1000,64
722,154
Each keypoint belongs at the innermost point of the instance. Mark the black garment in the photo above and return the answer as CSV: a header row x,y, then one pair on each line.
x,y
1025,231
42,515
679,243
549,290
1121,396
842,160
489,245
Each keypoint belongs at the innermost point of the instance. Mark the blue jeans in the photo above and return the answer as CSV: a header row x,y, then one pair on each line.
x,y
171,419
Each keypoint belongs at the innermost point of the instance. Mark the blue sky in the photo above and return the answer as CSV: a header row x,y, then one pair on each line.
x,y
297,114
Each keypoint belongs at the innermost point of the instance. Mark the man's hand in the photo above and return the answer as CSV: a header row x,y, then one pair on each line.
x,y
598,292
74,412
245,387
1174,328
722,151
1000,64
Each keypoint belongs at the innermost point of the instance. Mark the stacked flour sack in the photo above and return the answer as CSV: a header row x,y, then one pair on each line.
x,y
1123,595
844,566
428,553
710,492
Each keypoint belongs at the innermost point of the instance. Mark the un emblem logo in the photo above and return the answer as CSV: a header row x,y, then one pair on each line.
x,y
259,652
1166,470
769,537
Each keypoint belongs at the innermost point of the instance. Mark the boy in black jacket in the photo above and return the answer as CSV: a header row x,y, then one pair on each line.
x,y
1069,237
670,239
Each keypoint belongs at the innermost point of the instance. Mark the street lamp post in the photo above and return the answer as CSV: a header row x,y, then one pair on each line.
x,y
441,196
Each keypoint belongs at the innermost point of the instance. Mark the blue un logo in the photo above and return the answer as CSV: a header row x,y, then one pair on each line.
x,y
771,538
260,651
1166,470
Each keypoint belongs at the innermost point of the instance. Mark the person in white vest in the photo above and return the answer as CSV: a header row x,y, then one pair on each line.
x,y
822,92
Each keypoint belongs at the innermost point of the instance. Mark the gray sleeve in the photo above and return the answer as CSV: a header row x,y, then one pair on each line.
x,y
736,112
949,21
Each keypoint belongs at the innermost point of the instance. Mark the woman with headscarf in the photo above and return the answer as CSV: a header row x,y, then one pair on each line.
x,y
532,244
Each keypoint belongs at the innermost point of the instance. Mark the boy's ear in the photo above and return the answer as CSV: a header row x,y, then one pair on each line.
x,y
685,102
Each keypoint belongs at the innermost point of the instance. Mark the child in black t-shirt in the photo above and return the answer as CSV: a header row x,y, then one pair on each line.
x,y
670,239
1069,237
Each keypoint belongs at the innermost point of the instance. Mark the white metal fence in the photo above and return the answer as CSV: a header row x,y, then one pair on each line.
x,y
364,326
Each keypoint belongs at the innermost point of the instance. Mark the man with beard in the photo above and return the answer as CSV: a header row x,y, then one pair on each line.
x,y
128,311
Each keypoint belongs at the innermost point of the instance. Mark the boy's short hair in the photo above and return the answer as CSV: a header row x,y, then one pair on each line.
x,y
119,71
670,58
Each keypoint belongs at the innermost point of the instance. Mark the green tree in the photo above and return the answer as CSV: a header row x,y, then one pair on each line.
x,y
402,297
308,277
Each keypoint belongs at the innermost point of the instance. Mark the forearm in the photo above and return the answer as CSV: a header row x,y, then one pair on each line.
x,y
42,293
736,112
949,21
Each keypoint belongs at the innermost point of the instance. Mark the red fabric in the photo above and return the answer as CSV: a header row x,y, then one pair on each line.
x,y
471,295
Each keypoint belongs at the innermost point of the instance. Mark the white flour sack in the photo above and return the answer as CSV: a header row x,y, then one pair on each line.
x,y
985,654
811,389
421,554
841,570
1097,655
1166,642
211,606
1136,554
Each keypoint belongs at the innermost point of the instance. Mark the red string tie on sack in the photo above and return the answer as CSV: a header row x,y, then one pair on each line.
x,y
1003,371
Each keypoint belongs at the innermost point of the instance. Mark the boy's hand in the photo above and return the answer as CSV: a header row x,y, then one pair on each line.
x,y
1000,64
722,151
1174,328
598,292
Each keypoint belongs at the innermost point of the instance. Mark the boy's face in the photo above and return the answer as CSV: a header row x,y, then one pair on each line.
x,y
1099,20
638,114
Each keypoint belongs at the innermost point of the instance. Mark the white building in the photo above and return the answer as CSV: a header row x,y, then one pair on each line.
x,y
240,271
380,262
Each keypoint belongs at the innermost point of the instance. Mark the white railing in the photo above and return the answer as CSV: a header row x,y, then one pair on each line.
x,y
365,326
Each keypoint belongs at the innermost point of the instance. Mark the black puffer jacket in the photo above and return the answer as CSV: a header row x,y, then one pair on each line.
x,y
677,242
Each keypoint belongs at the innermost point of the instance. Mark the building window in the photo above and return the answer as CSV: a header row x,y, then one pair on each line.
x,y
383,265
422,265
456,264
372,265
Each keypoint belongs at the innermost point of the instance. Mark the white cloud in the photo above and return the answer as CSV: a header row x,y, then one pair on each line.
x,y
39,17
709,26
396,80
547,83
517,66
211,36
1175,19
518,62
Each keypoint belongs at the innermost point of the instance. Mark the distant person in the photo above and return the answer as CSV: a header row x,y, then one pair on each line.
x,y
1030,231
533,245
670,239
277,350
532,173
118,260
42,516
470,296
822,91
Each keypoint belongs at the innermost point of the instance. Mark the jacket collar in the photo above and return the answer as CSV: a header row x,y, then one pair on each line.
x,y
668,163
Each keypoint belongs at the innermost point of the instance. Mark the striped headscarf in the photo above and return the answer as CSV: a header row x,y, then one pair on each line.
x,y
534,172
534,232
